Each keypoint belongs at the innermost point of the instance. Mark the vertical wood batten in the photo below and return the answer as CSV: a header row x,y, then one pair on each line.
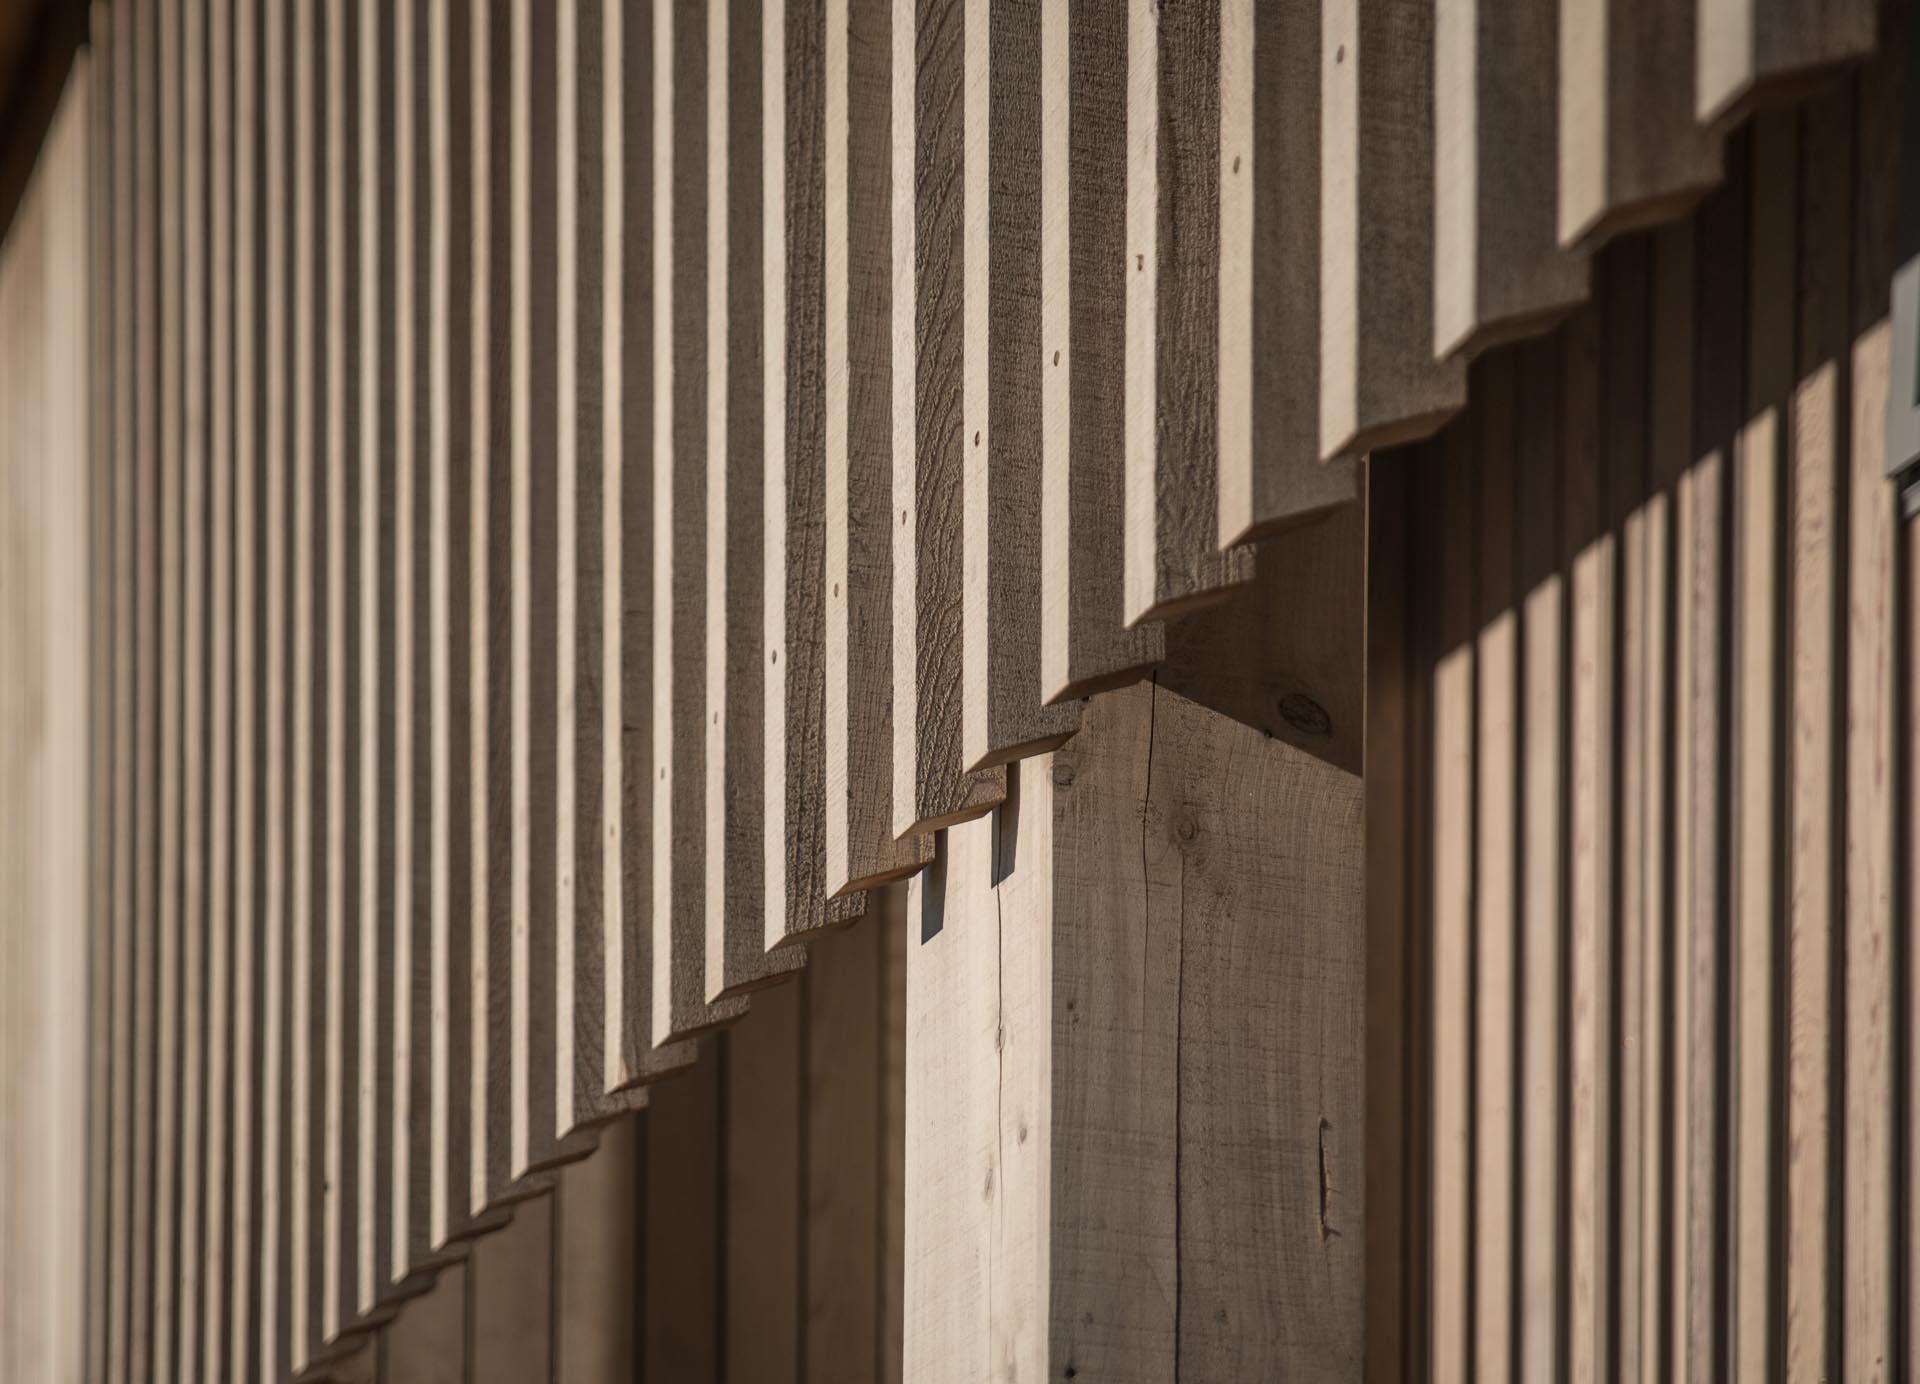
x,y
1085,642
1867,1323
1630,152
931,786
1746,51
1379,381
1499,270
803,80
763,1227
681,1301
1173,562
683,415
1496,867
1002,712
509,1306
740,793
857,167
1816,440
1271,475
595,1329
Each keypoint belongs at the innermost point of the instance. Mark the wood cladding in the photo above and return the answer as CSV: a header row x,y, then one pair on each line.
x,y
584,497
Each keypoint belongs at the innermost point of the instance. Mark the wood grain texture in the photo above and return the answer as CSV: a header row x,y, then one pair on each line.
x,y
1630,150
1379,381
685,210
1748,50
1498,268
1173,562
857,170
1271,475
1002,712
931,786
800,85
1007,983
1085,641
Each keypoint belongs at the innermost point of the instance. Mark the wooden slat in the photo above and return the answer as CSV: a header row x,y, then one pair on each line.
x,y
766,1226
684,218
1496,866
682,1178
856,171
1756,893
889,918
1749,50
1172,518
1591,559
1543,616
509,1308
1085,642
931,787
1379,381
1271,475
1630,152
1868,1329
168,440
248,685
595,1265
1002,712
1815,621
1498,267
800,85
741,660
307,808
428,1341
1451,886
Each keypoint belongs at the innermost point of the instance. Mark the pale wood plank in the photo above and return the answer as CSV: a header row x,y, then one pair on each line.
x,y
931,787
509,1307
741,508
860,847
595,1264
1816,620
1867,1309
1002,712
634,408
679,1303
797,92
1173,562
1543,651
768,1223
684,279
1498,269
1085,642
1757,886
1747,51
1630,151
844,1184
1496,864
1452,783
1591,559
1379,381
428,1341
1271,475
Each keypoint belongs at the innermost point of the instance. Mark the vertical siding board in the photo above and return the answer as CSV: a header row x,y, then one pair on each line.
x,y
1496,866
1591,562
1868,1324
1452,884
1630,150
1746,50
1270,474
856,170
767,1223
1173,561
596,1336
509,1316
1379,381
1756,902
1085,642
931,788
1817,441
1003,714
680,1304
1540,1278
